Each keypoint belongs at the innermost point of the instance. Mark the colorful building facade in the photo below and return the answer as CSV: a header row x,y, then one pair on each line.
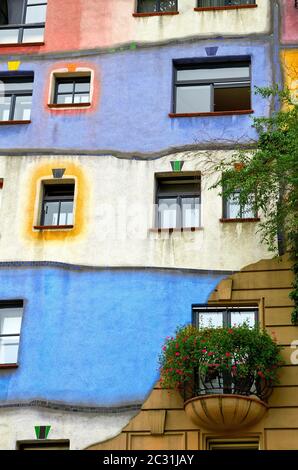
x,y
110,114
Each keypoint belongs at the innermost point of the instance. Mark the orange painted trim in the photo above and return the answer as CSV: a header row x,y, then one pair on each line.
x,y
215,113
53,227
22,44
9,366
8,123
227,7
171,230
155,13
252,219
67,106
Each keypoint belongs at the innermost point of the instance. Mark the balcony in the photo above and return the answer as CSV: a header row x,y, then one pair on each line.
x,y
223,402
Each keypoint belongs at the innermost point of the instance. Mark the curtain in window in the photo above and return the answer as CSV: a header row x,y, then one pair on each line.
x,y
3,12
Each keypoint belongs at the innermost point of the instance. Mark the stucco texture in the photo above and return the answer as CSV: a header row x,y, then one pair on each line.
x,y
136,97
93,337
114,215
88,24
289,22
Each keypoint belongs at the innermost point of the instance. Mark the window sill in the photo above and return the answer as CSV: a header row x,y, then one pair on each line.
x,y
215,113
252,219
68,106
22,44
227,7
175,230
9,366
53,227
155,13
8,123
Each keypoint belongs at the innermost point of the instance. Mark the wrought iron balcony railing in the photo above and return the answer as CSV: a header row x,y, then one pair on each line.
x,y
224,3
215,382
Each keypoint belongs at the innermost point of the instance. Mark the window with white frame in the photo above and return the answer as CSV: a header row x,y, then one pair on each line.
x,y
16,97
219,317
22,21
11,313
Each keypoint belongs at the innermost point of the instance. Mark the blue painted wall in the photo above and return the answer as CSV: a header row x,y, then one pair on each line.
x,y
93,337
136,97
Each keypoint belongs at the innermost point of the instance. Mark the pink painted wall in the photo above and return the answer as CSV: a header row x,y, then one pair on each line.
x,y
82,24
289,22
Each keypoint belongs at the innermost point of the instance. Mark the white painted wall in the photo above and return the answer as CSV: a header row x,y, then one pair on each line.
x,y
124,188
82,429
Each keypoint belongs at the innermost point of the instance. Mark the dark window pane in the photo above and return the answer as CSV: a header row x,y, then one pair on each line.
x,y
168,5
232,99
224,3
22,111
147,6
59,190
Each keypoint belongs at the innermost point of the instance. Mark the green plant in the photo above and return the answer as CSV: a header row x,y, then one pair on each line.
x,y
239,351
268,178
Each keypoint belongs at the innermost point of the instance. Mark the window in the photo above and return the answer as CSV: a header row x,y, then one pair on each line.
x,y
233,444
57,205
178,201
49,444
232,209
150,6
16,99
10,328
72,90
211,87
223,3
205,316
22,21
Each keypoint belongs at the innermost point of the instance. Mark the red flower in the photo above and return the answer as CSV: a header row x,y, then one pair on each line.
x,y
177,354
210,353
164,348
228,354
177,345
230,331
204,351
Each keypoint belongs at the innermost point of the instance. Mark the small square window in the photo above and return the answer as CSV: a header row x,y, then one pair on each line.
x,y
152,6
213,317
57,205
212,87
178,201
11,313
72,90
233,209
16,98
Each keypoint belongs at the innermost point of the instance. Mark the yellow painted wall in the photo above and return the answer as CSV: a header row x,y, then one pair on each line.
x,y
289,59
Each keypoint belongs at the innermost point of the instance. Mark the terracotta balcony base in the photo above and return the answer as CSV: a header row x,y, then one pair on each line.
x,y
225,412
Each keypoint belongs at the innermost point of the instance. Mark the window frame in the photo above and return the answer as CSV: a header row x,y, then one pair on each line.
x,y
241,216
23,25
226,310
158,10
6,304
45,444
249,443
159,195
59,199
188,64
15,93
71,79
253,2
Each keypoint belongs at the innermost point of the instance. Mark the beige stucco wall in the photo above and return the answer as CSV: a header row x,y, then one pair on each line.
x,y
114,212
203,23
